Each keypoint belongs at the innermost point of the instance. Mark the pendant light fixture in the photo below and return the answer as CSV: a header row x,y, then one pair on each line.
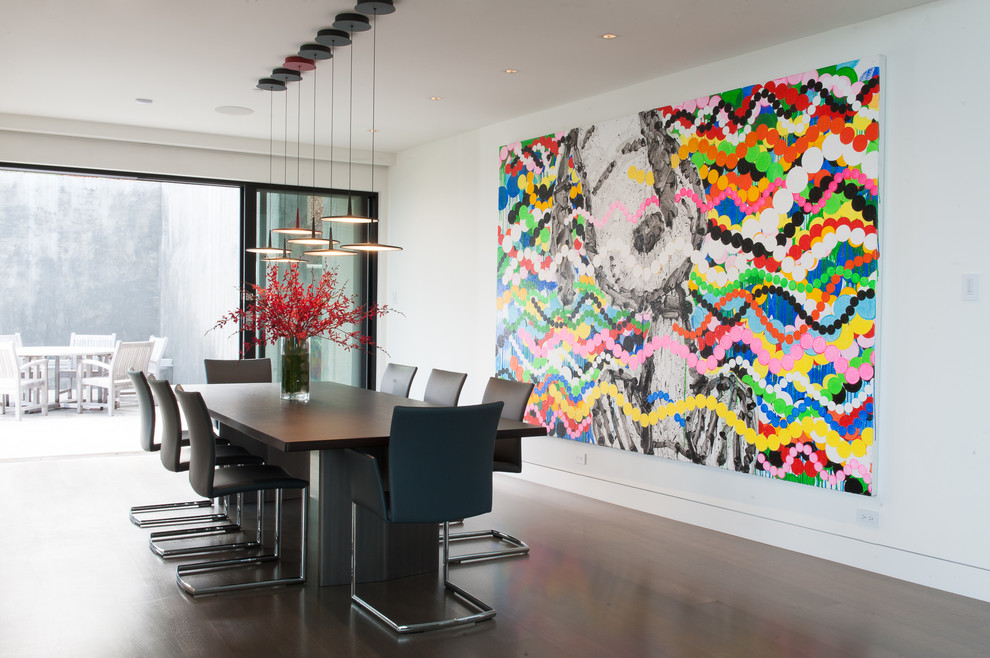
x,y
285,257
345,25
314,238
269,84
335,38
351,23
286,74
375,7
291,75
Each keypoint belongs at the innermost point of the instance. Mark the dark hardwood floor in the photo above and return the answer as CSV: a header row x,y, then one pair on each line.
x,y
77,579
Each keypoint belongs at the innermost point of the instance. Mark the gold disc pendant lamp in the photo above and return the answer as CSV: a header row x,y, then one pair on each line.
x,y
374,7
351,23
345,25
332,38
314,238
273,85
284,75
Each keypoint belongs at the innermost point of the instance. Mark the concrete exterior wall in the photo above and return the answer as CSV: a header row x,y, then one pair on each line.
x,y
80,255
200,269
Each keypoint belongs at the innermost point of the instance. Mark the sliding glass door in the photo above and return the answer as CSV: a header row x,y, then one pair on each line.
x,y
289,208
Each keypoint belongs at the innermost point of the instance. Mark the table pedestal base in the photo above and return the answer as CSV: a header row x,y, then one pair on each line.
x,y
385,551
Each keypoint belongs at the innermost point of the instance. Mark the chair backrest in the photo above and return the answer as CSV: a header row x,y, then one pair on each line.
x,y
238,371
147,406
130,356
10,368
515,395
440,462
92,340
14,338
157,352
444,387
398,379
171,448
202,442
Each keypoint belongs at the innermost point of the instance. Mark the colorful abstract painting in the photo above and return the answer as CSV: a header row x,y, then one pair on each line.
x,y
699,282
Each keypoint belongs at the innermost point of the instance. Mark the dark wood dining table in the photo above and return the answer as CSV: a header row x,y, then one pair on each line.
x,y
337,416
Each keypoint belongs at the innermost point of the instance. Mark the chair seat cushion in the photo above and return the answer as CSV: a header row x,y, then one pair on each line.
x,y
227,455
234,455
241,479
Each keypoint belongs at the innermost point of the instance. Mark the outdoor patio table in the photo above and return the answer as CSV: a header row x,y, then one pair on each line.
x,y
58,352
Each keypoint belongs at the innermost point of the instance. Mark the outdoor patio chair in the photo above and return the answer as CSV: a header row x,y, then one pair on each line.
x,y
113,376
26,382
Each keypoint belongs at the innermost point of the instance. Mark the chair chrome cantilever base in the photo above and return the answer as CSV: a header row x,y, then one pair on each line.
x,y
157,540
174,520
516,546
184,570
483,611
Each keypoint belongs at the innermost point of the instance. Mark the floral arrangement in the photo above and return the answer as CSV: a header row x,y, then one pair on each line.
x,y
285,308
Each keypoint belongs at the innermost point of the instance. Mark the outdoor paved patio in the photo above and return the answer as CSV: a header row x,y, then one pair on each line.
x,y
64,433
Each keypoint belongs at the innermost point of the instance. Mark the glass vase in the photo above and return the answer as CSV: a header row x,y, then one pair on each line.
x,y
295,369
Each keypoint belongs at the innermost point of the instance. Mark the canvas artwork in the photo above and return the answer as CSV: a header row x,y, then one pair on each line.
x,y
699,282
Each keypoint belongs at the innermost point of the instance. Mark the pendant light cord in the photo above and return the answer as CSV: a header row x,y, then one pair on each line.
x,y
314,128
374,68
350,129
314,154
271,135
298,131
285,142
333,97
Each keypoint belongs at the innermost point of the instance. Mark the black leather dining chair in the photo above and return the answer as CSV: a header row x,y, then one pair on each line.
x,y
238,371
251,371
439,469
507,459
444,387
146,436
397,379
212,482
176,458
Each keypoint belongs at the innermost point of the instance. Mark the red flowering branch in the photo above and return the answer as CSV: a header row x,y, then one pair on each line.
x,y
286,308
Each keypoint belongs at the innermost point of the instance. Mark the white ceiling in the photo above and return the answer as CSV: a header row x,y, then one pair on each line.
x,y
90,60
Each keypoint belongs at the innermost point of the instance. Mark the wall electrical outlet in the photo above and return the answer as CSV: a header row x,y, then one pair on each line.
x,y
868,517
581,458
971,287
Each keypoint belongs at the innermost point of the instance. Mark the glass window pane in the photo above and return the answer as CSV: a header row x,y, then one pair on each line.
x,y
329,362
93,254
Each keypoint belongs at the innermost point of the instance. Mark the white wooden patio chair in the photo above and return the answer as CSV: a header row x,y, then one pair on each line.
x,y
23,380
157,352
112,377
68,367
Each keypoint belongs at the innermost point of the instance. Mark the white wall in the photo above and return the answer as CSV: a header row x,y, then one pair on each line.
x,y
932,439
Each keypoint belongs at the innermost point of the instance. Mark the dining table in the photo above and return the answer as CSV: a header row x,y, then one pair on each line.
x,y
336,417
58,352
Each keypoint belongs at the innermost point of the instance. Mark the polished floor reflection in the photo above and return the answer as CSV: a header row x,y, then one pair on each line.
x,y
78,579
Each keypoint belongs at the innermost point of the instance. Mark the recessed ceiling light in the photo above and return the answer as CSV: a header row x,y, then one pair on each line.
x,y
511,71
234,110
609,36
373,130
144,101
434,98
